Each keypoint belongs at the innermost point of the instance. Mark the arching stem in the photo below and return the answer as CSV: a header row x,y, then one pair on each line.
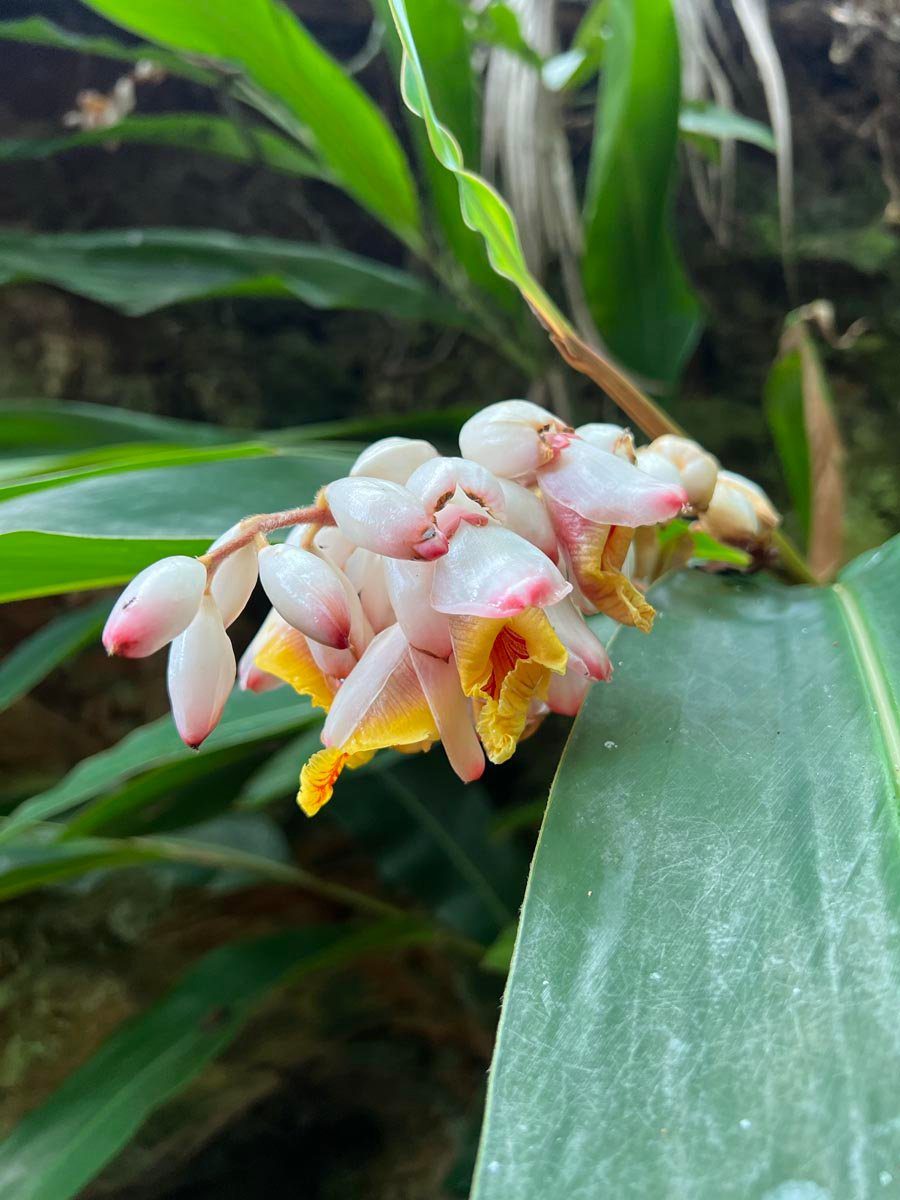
x,y
257,526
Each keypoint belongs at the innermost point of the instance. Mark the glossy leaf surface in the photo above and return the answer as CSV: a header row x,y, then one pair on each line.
x,y
703,997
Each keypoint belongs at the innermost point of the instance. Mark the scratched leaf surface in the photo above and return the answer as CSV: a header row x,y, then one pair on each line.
x,y
703,999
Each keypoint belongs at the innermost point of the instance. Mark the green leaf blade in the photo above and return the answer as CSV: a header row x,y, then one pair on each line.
x,y
37,656
100,530
138,271
634,280
703,996
200,132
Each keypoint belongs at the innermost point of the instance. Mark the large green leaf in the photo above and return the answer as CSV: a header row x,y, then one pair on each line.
x,y
703,997
34,659
100,530
265,40
31,426
140,270
247,719
62,1145
118,461
201,132
633,278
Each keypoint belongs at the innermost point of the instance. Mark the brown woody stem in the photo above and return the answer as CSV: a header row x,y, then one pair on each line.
x,y
253,527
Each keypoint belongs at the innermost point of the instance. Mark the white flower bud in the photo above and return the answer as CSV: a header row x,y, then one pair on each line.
x,y
513,438
435,483
234,578
201,674
308,593
385,518
393,458
659,468
697,468
739,511
611,438
155,607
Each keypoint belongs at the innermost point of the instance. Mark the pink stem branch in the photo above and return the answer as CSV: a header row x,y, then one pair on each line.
x,y
252,527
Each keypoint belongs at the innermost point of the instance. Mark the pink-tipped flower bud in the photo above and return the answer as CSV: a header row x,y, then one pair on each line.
x,y
657,467
698,469
393,458
385,518
201,674
234,578
513,438
155,607
491,572
605,489
437,482
611,438
308,593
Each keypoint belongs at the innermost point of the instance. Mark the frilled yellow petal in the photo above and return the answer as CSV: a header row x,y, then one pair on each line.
x,y
320,773
504,666
286,654
596,556
318,777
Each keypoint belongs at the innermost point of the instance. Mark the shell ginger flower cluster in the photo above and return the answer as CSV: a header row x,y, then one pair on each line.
x,y
424,598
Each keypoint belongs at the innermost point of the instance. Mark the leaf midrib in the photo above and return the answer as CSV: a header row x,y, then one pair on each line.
x,y
873,679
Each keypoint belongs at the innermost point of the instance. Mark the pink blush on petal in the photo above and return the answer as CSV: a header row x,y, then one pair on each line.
x,y
530,593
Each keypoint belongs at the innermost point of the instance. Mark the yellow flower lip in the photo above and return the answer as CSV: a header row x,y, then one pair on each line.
x,y
504,664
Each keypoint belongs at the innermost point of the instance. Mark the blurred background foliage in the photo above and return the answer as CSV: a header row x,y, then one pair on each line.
x,y
364,1079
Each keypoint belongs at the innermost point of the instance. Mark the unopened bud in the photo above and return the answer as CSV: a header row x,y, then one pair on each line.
x,y
385,518
155,607
234,578
698,469
739,511
393,458
491,572
513,438
657,467
201,674
611,438
308,593
604,488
